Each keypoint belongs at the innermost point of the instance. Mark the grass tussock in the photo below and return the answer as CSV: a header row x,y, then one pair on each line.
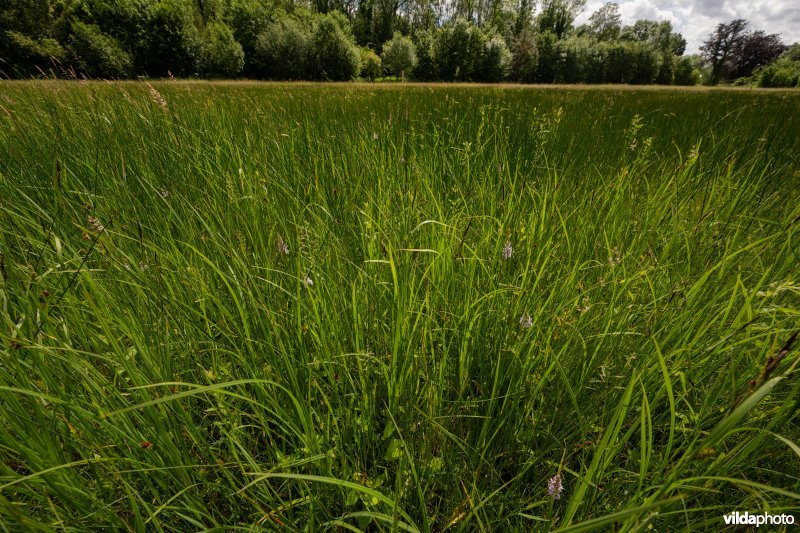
x,y
400,309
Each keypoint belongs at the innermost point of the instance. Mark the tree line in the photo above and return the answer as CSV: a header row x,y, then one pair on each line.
x,y
424,40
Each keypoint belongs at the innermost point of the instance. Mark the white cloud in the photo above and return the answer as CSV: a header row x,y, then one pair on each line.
x,y
695,19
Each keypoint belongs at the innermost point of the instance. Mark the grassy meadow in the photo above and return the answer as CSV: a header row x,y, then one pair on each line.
x,y
396,308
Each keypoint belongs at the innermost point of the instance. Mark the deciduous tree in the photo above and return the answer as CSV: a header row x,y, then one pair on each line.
x,y
399,55
720,46
557,16
606,23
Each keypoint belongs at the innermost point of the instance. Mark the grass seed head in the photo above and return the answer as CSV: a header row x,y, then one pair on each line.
x,y
95,225
283,248
157,98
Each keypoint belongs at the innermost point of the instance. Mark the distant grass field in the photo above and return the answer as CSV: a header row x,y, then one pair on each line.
x,y
396,308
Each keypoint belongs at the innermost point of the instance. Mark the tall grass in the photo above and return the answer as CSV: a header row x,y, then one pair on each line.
x,y
166,365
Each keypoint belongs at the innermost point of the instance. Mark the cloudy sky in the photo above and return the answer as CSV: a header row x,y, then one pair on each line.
x,y
695,19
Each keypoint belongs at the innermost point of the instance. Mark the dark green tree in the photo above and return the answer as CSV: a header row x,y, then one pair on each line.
x,y
221,55
686,72
283,51
171,42
97,54
524,16
27,39
425,69
333,53
524,57
495,61
549,57
247,19
658,34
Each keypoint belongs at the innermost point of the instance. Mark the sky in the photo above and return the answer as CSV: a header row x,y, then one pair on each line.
x,y
695,19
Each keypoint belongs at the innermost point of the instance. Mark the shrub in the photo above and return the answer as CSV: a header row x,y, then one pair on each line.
x,y
793,52
25,54
97,54
121,19
784,72
399,55
371,66
221,56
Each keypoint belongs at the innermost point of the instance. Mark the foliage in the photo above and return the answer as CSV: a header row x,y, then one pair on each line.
x,y
793,52
785,72
524,57
333,53
633,62
457,49
557,16
576,60
734,52
248,19
549,57
26,43
99,55
494,62
487,41
686,72
606,23
425,69
523,19
221,55
463,52
28,17
399,55
282,51
27,53
658,34
171,42
120,19
756,49
371,66
666,70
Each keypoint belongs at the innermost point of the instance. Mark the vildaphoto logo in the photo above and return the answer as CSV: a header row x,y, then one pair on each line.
x,y
764,519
